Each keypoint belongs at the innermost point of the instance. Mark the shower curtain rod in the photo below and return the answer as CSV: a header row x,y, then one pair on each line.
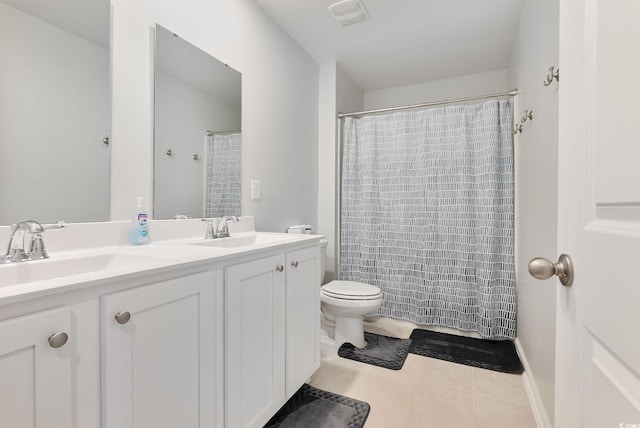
x,y
435,103
226,131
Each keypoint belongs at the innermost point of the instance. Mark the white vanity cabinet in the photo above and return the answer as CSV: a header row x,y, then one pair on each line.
x,y
66,361
196,338
36,370
254,337
272,331
302,317
158,354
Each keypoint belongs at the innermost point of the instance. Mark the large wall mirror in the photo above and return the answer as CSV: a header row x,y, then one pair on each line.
x,y
197,138
55,112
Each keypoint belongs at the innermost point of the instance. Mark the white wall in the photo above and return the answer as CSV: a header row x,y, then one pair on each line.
x,y
279,103
536,49
438,90
327,134
54,112
338,93
183,114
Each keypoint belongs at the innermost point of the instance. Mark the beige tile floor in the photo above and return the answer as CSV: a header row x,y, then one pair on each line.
x,y
428,392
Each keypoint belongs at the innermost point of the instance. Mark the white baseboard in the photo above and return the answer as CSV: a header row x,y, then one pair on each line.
x,y
539,412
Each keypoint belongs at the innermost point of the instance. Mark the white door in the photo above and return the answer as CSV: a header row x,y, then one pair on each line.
x,y
254,293
598,317
303,317
35,370
157,361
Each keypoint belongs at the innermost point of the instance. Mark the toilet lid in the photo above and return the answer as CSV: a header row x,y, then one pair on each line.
x,y
351,290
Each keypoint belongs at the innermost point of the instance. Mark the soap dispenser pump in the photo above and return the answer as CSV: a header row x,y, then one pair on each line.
x,y
139,225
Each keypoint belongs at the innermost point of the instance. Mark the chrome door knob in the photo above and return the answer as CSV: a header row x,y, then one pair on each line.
x,y
542,268
56,340
279,268
123,317
294,263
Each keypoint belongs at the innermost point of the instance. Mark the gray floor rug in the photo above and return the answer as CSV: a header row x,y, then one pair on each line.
x,y
311,407
496,355
382,351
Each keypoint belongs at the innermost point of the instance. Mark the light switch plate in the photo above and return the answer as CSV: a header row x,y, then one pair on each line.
x,y
255,189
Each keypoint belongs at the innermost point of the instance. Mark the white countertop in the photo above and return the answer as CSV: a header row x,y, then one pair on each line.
x,y
87,267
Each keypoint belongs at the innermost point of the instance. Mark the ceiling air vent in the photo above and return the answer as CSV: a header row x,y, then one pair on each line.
x,y
348,12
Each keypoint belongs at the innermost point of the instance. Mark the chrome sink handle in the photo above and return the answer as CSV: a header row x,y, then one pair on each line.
x,y
36,247
211,229
223,228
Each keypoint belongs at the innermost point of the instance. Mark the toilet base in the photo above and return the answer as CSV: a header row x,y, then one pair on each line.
x,y
328,347
341,330
350,330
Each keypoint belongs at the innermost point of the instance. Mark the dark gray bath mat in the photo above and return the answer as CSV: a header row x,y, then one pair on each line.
x,y
311,407
381,351
496,355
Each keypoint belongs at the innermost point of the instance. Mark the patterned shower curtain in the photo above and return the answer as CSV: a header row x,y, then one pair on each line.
x,y
427,215
224,175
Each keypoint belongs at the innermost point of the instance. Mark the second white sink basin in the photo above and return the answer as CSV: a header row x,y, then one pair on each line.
x,y
244,240
39,270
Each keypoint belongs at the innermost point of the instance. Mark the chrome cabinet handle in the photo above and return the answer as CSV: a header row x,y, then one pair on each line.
x,y
542,268
294,263
279,268
123,317
57,340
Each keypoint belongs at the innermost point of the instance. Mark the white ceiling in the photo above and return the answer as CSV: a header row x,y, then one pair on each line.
x,y
404,41
88,19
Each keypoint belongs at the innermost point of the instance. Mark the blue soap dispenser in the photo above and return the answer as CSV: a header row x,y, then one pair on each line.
x,y
139,225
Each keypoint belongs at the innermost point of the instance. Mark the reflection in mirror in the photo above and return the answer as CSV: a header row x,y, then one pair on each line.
x,y
54,110
197,163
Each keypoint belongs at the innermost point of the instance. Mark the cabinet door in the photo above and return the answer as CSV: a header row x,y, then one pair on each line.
x,y
303,317
255,341
157,365
35,376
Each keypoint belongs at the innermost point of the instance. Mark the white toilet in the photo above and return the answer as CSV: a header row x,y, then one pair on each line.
x,y
344,305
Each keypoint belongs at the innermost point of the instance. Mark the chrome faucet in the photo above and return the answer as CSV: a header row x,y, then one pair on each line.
x,y
223,229
16,251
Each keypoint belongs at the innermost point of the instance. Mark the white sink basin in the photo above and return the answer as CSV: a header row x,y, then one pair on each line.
x,y
244,240
38,270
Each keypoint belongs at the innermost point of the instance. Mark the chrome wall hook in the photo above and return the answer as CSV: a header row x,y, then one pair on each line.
x,y
517,129
553,74
169,152
528,115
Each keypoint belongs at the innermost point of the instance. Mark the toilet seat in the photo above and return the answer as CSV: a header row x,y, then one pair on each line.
x,y
351,290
